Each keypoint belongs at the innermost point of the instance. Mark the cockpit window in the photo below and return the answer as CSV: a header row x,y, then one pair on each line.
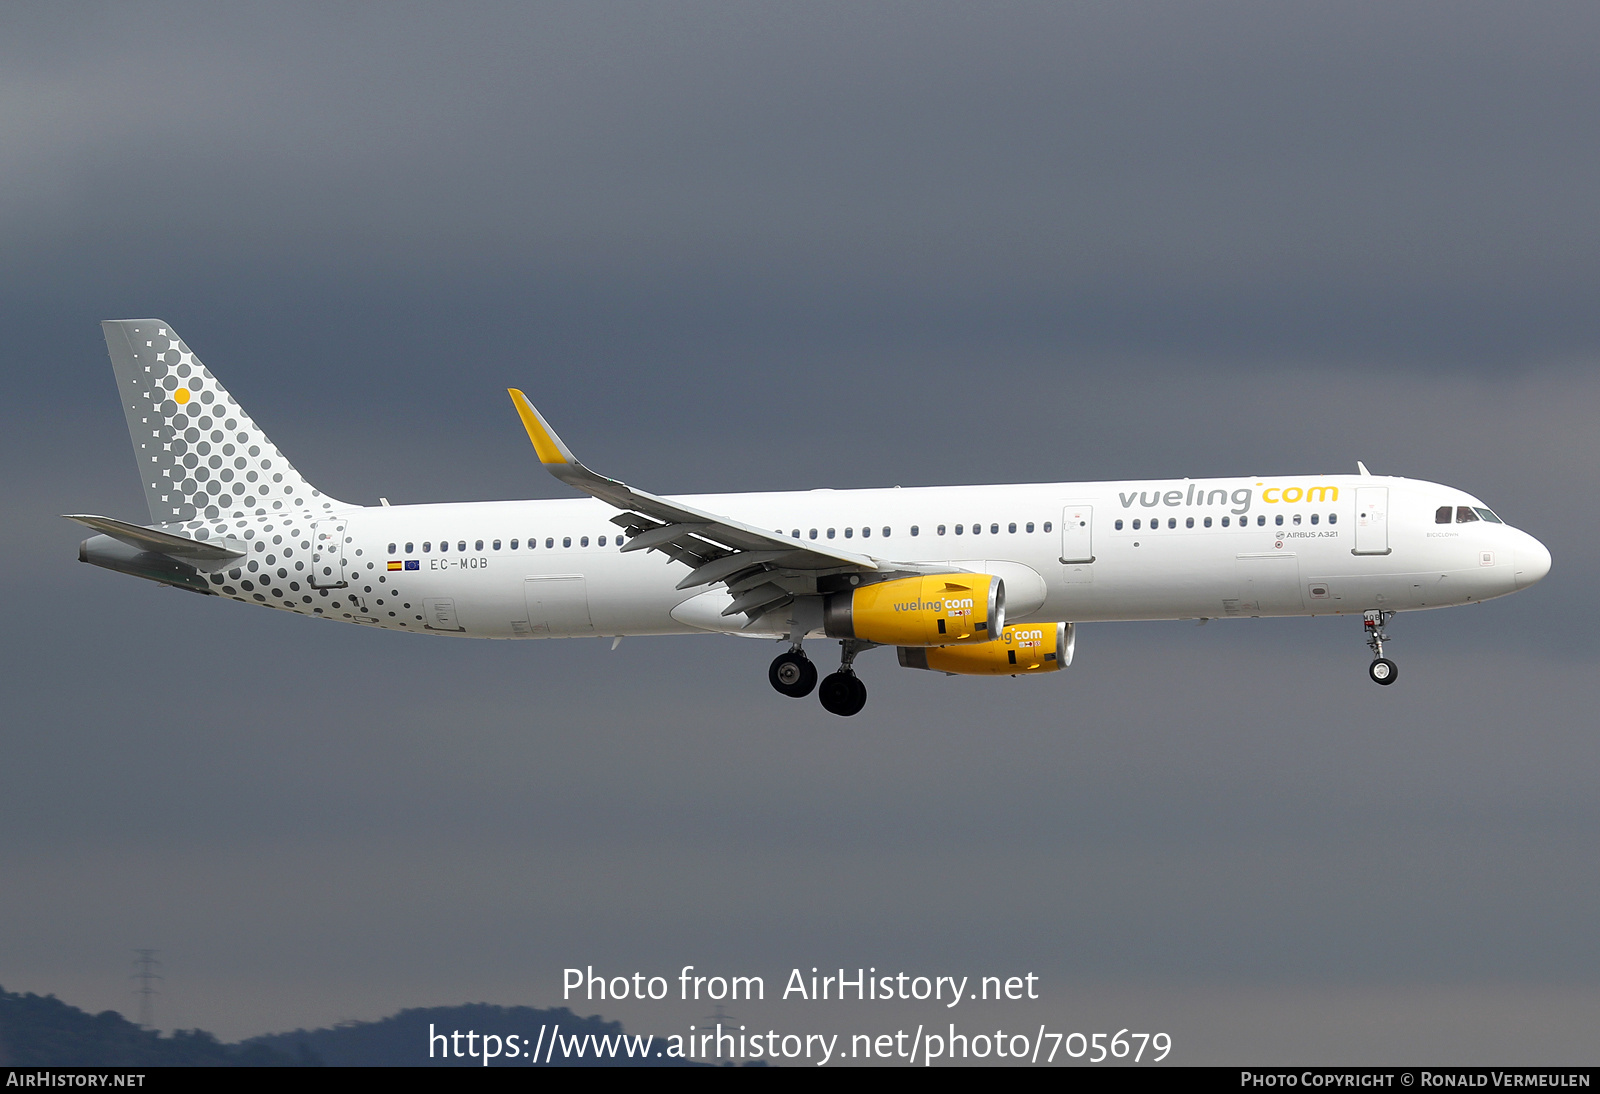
x,y
1486,515
1442,516
1465,515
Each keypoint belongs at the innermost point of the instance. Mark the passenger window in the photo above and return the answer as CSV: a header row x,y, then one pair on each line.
x,y
849,533
602,541
1172,522
941,529
1030,526
1012,528
795,533
1119,524
584,542
1487,515
1208,522
1135,524
1465,515
1442,515
427,545
1189,523
960,528
408,548
1224,522
1313,518
513,545
1278,520
915,530
549,542
496,544
391,548
462,546
830,533
1046,526
1261,521
813,533
885,531
479,546
1297,518
994,529
566,541
1333,518
866,533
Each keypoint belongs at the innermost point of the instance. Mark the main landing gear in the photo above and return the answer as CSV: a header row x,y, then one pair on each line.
x,y
842,693
793,674
1382,670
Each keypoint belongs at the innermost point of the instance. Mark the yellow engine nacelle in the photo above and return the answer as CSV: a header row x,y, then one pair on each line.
x,y
1023,649
940,610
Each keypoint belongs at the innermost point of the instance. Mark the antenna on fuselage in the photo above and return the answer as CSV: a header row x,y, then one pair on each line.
x,y
1362,468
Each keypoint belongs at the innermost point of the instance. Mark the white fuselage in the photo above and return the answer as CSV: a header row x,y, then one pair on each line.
x,y
1203,548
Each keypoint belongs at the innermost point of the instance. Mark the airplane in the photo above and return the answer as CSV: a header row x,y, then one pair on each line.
x,y
963,580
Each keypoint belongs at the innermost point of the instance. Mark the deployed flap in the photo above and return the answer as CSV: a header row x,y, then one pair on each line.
x,y
151,539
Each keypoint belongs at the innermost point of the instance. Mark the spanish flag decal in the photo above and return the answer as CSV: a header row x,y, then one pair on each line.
x,y
395,564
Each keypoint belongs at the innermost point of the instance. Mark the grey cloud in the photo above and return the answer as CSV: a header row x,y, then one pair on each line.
x,y
1419,179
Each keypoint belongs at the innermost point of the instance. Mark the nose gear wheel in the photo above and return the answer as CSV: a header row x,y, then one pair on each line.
x,y
1382,670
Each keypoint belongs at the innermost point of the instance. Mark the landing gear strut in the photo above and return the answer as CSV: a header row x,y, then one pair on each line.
x,y
1382,670
841,692
793,674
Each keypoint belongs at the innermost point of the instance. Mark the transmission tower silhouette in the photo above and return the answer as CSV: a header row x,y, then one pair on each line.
x,y
145,966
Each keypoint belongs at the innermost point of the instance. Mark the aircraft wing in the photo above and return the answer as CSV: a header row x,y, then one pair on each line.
x,y
762,569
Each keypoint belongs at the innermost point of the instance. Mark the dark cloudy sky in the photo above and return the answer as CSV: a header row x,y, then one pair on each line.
x,y
733,247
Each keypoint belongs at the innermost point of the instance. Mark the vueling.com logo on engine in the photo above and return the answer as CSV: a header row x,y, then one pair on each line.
x,y
952,606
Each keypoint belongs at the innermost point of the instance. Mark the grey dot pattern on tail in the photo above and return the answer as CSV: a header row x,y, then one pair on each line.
x,y
201,457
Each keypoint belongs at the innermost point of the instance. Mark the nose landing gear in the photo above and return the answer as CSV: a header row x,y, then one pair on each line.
x,y
842,693
1382,670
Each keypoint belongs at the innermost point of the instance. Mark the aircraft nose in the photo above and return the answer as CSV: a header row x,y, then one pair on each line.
x,y
1533,561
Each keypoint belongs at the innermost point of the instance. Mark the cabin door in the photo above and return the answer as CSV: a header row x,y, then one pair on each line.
x,y
327,554
1077,533
1372,520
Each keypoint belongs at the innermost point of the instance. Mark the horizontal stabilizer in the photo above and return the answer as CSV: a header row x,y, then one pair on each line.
x,y
151,539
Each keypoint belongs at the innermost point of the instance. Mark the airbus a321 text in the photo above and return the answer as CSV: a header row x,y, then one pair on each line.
x,y
967,580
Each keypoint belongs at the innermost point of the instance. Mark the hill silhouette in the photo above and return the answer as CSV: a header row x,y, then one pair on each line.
x,y
42,1031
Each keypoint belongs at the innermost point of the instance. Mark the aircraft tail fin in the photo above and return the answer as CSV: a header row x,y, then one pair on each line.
x,y
200,455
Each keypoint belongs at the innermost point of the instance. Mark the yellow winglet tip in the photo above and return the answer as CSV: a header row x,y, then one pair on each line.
x,y
544,441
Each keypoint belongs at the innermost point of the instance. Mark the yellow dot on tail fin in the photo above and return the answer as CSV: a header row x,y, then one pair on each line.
x,y
181,396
